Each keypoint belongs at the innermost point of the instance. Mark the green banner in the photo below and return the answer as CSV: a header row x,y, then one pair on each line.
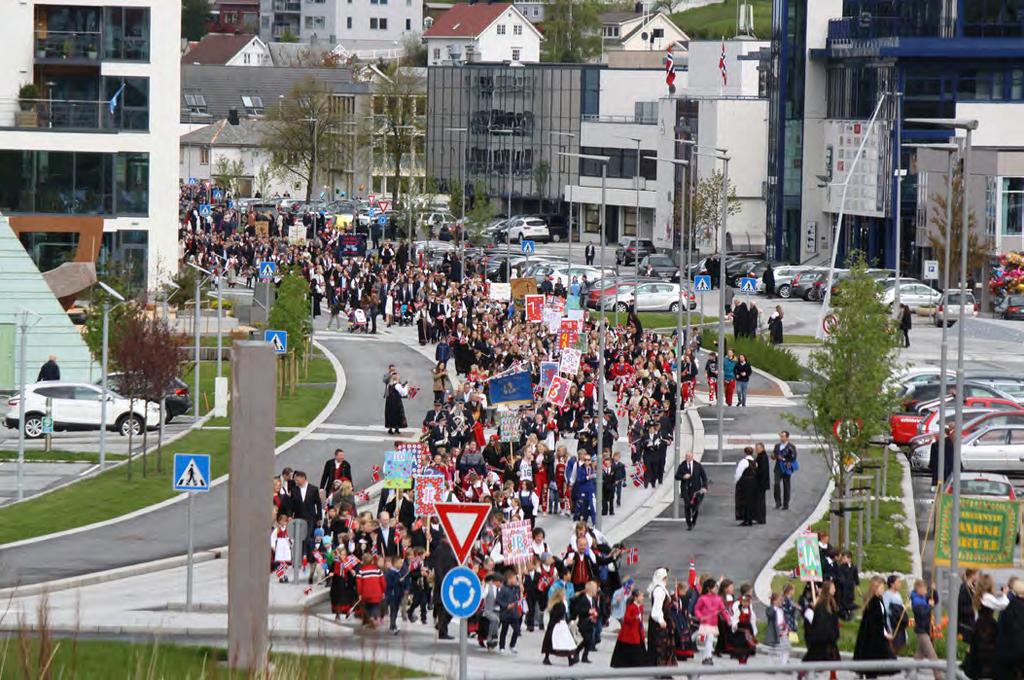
x,y
988,532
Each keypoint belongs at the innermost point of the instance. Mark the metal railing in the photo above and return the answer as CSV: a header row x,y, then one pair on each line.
x,y
68,45
283,6
76,114
635,120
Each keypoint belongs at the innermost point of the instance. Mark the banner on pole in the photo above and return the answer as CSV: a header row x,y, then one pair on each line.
x,y
988,532
509,425
399,467
516,539
808,556
570,363
558,391
429,490
548,371
510,390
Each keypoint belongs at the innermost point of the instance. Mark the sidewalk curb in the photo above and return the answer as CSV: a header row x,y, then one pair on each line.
x,y
910,515
332,404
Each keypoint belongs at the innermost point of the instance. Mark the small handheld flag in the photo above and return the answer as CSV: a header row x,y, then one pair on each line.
x,y
375,473
722,67
281,570
632,555
691,578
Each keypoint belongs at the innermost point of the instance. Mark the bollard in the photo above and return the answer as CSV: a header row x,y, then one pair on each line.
x,y
846,518
879,493
860,538
886,453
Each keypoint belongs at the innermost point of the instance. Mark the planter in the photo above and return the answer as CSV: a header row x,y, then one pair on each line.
x,y
26,119
92,54
40,54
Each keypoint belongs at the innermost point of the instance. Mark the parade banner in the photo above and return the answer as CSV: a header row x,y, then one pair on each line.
x,y
808,556
988,532
570,363
552,319
570,325
502,292
429,490
548,371
523,287
516,538
574,314
558,392
419,450
509,425
262,228
297,234
555,302
399,467
511,390
534,308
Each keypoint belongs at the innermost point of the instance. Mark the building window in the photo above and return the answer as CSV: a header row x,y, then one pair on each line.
x,y
383,21
373,23
204,155
408,24
131,181
195,102
1013,206
253,104
132,110
50,249
515,53
658,33
501,29
348,22
437,53
517,29
126,33
315,22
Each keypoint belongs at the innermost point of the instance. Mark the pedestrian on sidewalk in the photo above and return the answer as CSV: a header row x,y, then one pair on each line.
x,y
693,485
394,579
906,321
922,603
785,457
708,610
821,627
711,371
747,488
743,371
49,370
630,651
558,637
875,634
661,638
729,375
371,585
510,604
776,630
764,482
775,326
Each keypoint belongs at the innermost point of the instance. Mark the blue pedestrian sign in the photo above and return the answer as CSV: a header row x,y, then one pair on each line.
x,y
382,220
267,270
527,247
205,210
702,283
191,472
748,284
218,194
461,592
279,339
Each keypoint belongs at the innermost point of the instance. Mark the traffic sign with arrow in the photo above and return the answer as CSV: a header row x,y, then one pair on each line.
x,y
462,523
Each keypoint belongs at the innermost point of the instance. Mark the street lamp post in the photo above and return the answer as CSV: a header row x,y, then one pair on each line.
x,y
721,307
104,376
968,126
462,180
22,346
195,334
680,347
508,223
636,227
571,135
603,160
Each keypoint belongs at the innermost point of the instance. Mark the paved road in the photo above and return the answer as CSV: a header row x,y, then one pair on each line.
x,y
38,477
356,425
717,543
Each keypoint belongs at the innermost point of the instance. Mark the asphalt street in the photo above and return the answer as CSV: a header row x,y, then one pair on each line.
x,y
355,425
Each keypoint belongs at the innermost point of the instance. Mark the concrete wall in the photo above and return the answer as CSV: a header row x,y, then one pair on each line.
x,y
706,77
622,88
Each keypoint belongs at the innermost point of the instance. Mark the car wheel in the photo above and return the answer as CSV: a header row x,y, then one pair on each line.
x,y
784,291
674,307
622,307
129,424
555,238
34,425
812,296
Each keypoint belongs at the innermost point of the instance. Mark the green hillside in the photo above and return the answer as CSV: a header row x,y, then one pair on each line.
x,y
719,21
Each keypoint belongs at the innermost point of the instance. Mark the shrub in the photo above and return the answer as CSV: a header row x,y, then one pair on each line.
x,y
775,360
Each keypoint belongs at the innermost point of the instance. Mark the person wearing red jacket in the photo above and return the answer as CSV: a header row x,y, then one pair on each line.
x,y
371,586
629,649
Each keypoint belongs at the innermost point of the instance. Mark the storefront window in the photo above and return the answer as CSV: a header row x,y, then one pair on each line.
x,y
74,183
1013,206
50,249
592,219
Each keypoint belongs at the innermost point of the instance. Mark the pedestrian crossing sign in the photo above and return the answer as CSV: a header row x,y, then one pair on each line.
x,y
191,472
748,284
279,339
702,283
267,270
527,247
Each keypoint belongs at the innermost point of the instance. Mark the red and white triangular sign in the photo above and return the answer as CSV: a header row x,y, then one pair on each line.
x,y
462,523
383,205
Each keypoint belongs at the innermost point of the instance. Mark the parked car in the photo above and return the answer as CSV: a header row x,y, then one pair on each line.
x,y
744,268
565,273
558,225
77,406
955,304
802,285
648,297
436,220
527,229
630,248
994,449
176,396
975,418
1012,307
985,485
904,426
1009,384
660,266
912,293
784,276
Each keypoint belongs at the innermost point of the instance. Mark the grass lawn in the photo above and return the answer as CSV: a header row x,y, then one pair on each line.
x,y
718,21
295,410
58,455
798,339
94,659
652,320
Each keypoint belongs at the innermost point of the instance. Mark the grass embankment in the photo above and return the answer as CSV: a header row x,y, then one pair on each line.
x,y
58,456
776,360
719,21
885,553
94,659
110,494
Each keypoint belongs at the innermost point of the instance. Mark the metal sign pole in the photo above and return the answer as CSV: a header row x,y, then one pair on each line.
x,y
463,647
190,563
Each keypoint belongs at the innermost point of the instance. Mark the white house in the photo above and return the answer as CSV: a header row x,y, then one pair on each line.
x,y
482,32
228,49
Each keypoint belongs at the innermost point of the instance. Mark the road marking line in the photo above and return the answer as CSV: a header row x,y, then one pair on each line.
x,y
83,473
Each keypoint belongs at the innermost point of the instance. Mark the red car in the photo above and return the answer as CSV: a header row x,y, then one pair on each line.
x,y
904,426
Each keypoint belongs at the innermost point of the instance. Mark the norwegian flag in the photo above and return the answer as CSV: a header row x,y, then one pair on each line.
x,y
351,523
305,561
317,557
670,68
375,473
351,562
638,474
308,590
632,555
722,67
362,497
691,578
281,570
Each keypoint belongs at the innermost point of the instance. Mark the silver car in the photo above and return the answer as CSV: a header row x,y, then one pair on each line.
x,y
995,449
648,297
783,278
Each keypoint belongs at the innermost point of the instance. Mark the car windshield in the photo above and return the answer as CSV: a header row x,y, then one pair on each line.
x,y
1015,300
984,487
960,299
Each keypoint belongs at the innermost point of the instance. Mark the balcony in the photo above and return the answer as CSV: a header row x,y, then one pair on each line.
x,y
57,46
68,114
868,34
650,118
282,6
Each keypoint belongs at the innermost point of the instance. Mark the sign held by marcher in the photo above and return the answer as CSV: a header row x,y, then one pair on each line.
x,y
191,472
462,523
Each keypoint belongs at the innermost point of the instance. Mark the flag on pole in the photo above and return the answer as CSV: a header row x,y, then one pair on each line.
x,y
691,578
722,67
670,67
375,473
113,100
281,570
632,555
638,475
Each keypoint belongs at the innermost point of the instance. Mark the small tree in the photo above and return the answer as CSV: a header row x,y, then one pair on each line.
x,y
541,173
264,176
119,314
227,173
129,354
163,352
291,313
707,206
978,247
399,107
456,195
572,31
850,375
194,16
480,215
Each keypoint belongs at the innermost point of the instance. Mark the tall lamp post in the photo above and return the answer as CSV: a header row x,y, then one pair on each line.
x,y
104,376
968,126
570,135
684,301
603,160
463,132
195,334
508,224
636,227
22,397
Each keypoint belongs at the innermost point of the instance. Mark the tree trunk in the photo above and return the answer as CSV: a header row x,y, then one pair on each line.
x,y
131,438
145,443
160,439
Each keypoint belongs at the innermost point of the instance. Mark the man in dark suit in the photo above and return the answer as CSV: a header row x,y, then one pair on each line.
x,y
585,610
306,505
588,253
693,484
401,509
335,469
387,537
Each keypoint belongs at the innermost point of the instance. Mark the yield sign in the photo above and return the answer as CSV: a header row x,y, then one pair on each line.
x,y
462,523
384,205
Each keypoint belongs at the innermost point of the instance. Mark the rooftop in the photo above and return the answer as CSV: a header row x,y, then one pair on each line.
x,y
216,48
466,21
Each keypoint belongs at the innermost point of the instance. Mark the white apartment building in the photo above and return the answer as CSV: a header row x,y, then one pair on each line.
x,y
482,32
89,132
349,22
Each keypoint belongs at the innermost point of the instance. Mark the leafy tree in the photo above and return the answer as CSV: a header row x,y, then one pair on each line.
x,y
415,50
541,173
227,173
480,215
850,375
162,354
301,133
118,316
264,176
288,37
572,31
978,247
399,107
455,196
195,14
128,353
707,206
291,313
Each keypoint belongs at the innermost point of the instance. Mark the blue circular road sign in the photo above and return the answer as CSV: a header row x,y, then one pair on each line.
x,y
460,592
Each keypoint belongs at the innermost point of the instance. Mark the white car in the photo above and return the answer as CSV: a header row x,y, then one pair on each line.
x,y
77,406
649,297
995,449
566,274
783,279
912,294
528,229
955,304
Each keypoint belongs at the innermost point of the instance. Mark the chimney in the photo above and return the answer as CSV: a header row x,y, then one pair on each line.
x,y
233,116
